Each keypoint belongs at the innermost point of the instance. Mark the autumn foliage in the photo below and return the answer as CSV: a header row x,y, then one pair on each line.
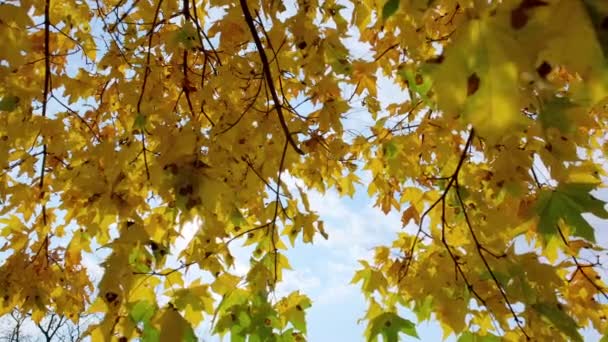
x,y
122,120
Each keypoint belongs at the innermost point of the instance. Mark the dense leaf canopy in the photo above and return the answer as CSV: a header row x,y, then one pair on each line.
x,y
120,120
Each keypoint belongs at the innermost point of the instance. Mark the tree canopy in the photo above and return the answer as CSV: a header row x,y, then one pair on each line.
x,y
120,120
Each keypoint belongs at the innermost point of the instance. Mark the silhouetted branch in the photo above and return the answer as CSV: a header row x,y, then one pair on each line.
x,y
268,74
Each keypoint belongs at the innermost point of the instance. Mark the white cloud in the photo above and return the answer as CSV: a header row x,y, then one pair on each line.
x,y
304,280
339,293
92,263
336,285
354,228
187,233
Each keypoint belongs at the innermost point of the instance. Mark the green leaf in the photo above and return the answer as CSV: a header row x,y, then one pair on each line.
x,y
9,103
390,7
373,280
237,338
236,218
187,35
150,334
195,297
389,325
579,193
140,121
136,260
142,311
561,320
554,114
418,81
293,308
568,202
390,150
473,337
424,308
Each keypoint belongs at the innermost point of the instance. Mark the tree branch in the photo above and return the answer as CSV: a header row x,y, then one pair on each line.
x,y
268,75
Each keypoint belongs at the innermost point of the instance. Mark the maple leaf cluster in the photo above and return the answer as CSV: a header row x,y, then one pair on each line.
x,y
120,121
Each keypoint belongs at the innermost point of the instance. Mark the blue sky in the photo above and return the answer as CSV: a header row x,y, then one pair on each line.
x,y
326,268
323,270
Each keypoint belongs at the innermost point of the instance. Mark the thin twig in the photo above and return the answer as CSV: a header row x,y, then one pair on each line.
x,y
202,33
480,250
580,267
385,51
74,113
256,228
143,86
451,181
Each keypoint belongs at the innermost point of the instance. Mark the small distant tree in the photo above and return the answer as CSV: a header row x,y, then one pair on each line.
x,y
11,328
53,327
